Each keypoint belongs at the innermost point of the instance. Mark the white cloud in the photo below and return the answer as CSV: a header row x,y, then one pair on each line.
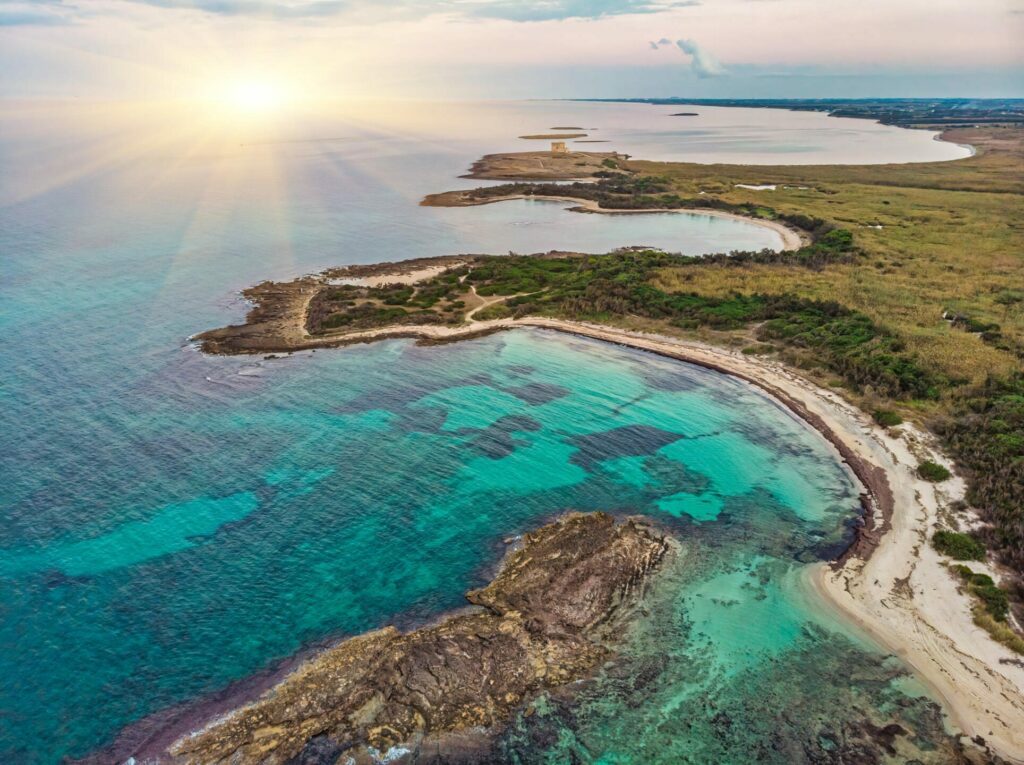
x,y
702,63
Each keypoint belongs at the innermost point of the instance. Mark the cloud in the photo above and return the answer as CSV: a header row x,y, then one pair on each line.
x,y
702,63
39,13
550,10
262,8
506,10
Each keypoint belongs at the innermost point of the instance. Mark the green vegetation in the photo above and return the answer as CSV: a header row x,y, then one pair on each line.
x,y
496,311
993,608
887,418
1000,631
602,287
985,435
356,307
932,471
958,546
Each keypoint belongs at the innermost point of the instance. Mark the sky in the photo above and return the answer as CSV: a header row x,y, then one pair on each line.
x,y
466,49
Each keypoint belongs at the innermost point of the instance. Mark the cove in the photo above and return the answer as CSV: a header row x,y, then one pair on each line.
x,y
387,477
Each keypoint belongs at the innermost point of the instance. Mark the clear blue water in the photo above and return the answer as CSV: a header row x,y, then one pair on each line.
x,y
173,522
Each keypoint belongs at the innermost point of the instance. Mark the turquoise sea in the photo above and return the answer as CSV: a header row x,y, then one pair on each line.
x,y
171,523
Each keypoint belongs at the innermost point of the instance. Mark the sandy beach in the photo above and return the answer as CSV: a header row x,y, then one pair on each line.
x,y
892,585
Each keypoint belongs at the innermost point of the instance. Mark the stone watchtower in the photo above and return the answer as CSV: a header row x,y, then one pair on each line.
x,y
558,147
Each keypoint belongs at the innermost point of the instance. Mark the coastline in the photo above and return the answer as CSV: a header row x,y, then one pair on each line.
x,y
529,629
791,238
890,584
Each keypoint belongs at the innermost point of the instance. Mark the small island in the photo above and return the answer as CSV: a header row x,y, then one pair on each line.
x,y
552,136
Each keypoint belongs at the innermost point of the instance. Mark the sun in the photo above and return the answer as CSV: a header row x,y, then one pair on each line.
x,y
256,96
251,98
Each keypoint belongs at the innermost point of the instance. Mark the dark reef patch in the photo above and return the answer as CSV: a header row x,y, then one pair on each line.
x,y
537,393
422,419
674,477
627,441
497,440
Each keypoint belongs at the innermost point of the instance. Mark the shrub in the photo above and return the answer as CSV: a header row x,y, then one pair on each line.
x,y
985,436
931,471
999,631
958,546
994,599
887,418
496,311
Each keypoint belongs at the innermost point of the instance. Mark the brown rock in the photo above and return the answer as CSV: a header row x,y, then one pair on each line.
x,y
548,618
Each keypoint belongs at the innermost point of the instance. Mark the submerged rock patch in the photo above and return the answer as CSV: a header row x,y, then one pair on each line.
x,y
627,441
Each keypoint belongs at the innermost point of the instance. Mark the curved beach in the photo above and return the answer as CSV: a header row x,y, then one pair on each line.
x,y
891,584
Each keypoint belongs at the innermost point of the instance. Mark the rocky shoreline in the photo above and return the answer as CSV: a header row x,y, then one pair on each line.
x,y
551,616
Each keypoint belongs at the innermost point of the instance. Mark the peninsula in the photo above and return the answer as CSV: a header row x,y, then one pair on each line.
x,y
878,328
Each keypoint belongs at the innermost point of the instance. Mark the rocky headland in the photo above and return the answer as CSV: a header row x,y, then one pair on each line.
x,y
552,615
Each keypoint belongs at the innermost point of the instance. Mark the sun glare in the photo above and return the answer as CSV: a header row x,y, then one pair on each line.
x,y
256,96
249,99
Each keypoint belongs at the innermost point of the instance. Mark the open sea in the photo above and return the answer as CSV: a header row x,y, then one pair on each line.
x,y
171,523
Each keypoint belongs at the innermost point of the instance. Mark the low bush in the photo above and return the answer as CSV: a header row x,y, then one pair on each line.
x,y
1000,631
931,471
887,418
986,437
958,546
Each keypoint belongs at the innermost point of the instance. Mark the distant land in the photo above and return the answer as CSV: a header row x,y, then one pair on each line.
x,y
905,112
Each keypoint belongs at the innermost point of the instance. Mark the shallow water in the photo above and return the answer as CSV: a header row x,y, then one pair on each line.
x,y
172,522
329,493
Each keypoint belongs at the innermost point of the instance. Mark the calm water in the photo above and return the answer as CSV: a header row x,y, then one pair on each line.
x,y
172,522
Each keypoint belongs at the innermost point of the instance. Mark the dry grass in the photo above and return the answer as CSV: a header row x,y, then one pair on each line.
x,y
938,248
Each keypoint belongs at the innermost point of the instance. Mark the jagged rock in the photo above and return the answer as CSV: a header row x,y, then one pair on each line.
x,y
548,618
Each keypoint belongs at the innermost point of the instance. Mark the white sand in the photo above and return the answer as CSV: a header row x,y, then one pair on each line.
x,y
405,277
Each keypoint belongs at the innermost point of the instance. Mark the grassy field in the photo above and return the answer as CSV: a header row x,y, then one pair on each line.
x,y
937,249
